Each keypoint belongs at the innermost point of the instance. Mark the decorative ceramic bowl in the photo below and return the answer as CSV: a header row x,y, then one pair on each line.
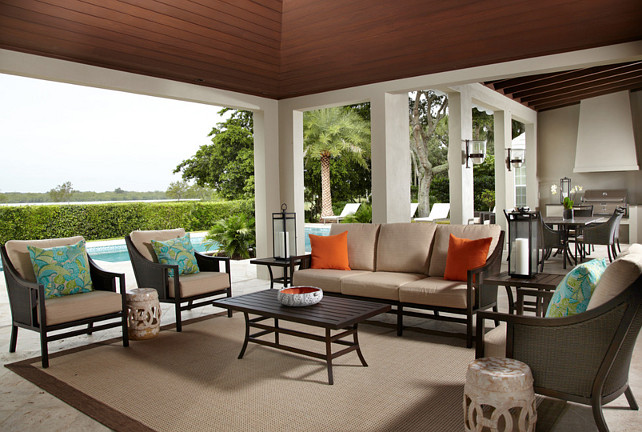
x,y
300,296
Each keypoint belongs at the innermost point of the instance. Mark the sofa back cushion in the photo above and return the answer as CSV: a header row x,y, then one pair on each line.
x,y
142,240
19,254
439,252
617,277
404,247
362,243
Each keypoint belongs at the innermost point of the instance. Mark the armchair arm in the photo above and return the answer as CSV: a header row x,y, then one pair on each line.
x,y
305,261
104,280
25,297
212,263
150,274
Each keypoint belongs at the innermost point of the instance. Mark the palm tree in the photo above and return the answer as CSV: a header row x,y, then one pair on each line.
x,y
331,133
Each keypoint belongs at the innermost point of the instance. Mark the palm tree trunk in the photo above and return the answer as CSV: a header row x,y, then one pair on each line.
x,y
326,195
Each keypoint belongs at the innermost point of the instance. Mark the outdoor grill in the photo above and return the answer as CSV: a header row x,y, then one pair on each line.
x,y
605,201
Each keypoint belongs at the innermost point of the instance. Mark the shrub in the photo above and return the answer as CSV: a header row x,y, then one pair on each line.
x,y
104,221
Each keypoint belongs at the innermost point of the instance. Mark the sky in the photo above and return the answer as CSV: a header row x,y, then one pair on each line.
x,y
99,140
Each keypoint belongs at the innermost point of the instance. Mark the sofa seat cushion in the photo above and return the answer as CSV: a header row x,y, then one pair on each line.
x,y
79,306
362,242
495,341
142,240
327,279
379,285
200,283
435,291
439,254
19,254
404,247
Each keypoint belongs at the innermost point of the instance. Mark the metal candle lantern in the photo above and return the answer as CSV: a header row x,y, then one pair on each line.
x,y
565,188
523,248
283,233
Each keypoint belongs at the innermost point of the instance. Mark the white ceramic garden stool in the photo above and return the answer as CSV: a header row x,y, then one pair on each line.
x,y
499,397
143,313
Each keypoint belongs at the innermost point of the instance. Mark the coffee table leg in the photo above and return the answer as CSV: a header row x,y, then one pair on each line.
x,y
328,355
356,342
247,334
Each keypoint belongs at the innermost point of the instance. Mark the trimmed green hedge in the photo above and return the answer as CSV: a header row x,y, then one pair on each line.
x,y
104,221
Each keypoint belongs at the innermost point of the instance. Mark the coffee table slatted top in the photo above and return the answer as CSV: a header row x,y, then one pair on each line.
x,y
331,312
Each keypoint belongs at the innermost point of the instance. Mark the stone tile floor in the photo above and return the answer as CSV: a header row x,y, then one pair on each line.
x,y
25,407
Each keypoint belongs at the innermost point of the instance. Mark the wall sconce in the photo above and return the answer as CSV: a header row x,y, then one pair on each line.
x,y
565,188
515,158
476,151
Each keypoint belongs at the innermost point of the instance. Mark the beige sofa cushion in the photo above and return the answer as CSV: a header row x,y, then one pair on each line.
x,y
404,247
326,279
380,285
142,240
362,240
616,278
435,291
80,306
495,341
200,283
442,236
19,255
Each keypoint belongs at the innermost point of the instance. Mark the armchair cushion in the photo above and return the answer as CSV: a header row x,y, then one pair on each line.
x,y
574,292
201,283
62,270
463,255
178,251
142,240
71,308
616,278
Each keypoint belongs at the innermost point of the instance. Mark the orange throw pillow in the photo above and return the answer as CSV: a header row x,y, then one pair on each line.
x,y
463,255
330,252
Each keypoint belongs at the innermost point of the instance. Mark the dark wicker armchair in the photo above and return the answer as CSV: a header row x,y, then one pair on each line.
x,y
186,292
30,309
583,358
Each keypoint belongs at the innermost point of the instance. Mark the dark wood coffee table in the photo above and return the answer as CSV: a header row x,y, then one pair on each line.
x,y
332,313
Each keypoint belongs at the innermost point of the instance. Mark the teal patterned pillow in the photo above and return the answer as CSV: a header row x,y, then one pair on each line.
x,y
62,270
572,295
178,251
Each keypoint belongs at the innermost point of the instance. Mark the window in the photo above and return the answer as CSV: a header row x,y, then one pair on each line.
x,y
520,186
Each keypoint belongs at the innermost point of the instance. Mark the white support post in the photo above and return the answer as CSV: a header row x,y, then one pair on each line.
x,y
390,125
504,180
460,128
532,181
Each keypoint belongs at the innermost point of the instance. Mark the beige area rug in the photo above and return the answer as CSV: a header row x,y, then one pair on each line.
x,y
193,381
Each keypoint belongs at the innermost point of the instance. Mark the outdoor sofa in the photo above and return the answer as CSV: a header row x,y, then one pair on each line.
x,y
403,264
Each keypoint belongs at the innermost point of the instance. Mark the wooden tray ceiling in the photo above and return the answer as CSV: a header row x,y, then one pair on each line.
x,y
287,48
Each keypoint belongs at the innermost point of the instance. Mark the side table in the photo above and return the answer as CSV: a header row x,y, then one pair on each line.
x,y
541,282
287,264
143,313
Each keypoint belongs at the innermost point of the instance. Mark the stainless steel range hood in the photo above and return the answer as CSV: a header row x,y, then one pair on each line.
x,y
605,140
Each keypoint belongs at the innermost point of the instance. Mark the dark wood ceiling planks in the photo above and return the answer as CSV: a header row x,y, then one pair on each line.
x,y
289,48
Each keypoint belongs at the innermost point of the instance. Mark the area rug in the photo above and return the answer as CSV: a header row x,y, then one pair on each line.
x,y
193,381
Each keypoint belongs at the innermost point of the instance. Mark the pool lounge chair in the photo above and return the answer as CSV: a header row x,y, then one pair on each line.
x,y
349,209
439,211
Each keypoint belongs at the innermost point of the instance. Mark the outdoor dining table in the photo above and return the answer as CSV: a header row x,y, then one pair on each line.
x,y
565,225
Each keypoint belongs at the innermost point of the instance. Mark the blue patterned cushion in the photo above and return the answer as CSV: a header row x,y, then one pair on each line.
x,y
572,295
62,270
178,251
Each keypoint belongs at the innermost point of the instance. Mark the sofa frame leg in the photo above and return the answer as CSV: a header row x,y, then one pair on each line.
x,y
399,320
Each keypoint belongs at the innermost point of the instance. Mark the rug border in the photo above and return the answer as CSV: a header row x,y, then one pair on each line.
x,y
97,410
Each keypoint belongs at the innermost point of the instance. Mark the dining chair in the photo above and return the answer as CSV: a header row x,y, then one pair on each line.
x,y
549,239
603,234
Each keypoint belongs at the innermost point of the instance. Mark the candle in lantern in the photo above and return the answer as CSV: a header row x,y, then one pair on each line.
x,y
521,256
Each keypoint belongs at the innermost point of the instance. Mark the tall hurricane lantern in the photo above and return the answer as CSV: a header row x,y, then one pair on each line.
x,y
523,246
283,233
565,188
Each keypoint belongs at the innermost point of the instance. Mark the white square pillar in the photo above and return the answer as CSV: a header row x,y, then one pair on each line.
x,y
460,128
390,131
532,181
504,180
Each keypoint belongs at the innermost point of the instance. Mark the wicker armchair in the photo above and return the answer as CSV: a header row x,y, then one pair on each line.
x,y
603,234
49,317
583,358
186,292
549,239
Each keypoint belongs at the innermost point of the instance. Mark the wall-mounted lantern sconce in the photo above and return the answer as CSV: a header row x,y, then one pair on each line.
x,y
475,151
515,158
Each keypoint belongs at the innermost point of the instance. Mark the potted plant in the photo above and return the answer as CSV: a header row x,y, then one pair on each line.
x,y
234,236
568,208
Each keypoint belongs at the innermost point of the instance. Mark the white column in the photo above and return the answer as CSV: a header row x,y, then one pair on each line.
x,y
390,130
460,127
504,180
266,179
532,181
